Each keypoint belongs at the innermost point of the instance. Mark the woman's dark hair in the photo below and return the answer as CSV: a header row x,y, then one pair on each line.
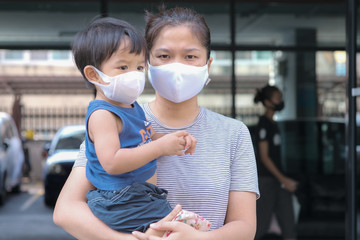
x,y
176,17
265,93
98,42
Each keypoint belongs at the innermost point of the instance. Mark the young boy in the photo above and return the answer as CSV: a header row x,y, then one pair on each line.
x,y
121,146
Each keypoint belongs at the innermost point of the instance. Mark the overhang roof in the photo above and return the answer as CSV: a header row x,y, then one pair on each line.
x,y
52,24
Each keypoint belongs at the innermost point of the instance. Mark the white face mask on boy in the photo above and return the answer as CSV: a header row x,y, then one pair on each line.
x,y
124,88
178,82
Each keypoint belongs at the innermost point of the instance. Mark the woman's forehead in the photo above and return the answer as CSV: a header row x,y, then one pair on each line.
x,y
177,35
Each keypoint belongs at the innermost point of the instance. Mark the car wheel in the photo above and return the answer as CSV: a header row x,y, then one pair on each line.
x,y
49,201
2,190
16,189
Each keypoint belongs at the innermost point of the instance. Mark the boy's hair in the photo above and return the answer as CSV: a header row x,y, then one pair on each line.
x,y
98,42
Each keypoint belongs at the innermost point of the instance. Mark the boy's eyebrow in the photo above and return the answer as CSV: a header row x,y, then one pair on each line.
x,y
125,61
122,60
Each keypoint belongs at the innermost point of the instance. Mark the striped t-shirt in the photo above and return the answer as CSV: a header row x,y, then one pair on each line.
x,y
224,161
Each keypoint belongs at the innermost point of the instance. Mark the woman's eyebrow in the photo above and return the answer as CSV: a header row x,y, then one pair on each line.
x,y
162,50
192,49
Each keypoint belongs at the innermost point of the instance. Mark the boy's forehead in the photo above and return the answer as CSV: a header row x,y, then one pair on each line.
x,y
124,54
125,46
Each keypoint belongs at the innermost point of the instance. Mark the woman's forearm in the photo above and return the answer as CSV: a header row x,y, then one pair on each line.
x,y
82,224
73,214
235,230
240,222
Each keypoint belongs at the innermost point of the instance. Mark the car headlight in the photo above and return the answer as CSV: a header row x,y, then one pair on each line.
x,y
57,169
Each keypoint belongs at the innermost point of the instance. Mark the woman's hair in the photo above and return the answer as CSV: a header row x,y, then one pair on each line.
x,y
265,93
101,39
176,17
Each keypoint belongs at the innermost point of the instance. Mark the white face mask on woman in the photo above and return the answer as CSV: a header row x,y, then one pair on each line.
x,y
124,88
178,82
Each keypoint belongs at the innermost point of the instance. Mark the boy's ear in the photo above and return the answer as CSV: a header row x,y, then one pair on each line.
x,y
91,74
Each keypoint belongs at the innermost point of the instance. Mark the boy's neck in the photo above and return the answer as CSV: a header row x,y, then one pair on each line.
x,y
102,97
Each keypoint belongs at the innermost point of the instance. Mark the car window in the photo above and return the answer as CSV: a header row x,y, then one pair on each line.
x,y
70,142
9,132
2,132
6,131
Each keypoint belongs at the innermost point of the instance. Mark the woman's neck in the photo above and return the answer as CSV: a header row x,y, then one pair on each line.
x,y
269,113
175,114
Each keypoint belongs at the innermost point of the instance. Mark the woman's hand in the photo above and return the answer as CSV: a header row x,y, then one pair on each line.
x,y
179,231
289,184
158,232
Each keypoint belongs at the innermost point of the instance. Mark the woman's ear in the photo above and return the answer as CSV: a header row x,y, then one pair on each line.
x,y
91,74
268,103
209,63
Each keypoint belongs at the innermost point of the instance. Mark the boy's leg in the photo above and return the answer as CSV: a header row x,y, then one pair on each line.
x,y
132,208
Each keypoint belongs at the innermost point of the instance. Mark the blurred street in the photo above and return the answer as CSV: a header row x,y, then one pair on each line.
x,y
25,216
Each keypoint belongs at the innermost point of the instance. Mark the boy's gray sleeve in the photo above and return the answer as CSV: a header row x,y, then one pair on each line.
x,y
81,158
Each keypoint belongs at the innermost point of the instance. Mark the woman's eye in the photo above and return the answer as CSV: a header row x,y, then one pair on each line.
x,y
190,57
140,68
123,67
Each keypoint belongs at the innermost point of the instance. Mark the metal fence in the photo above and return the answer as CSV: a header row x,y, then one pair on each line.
x,y
44,122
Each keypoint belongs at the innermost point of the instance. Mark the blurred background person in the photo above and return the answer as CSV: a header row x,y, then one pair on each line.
x,y
275,187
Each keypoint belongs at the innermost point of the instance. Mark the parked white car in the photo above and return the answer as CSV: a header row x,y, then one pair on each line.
x,y
11,157
62,153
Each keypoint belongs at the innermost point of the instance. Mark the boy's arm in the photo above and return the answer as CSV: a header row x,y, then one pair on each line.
x,y
156,135
104,127
73,214
288,183
190,141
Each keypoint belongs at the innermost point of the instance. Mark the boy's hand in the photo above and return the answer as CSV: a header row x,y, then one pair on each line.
x,y
177,143
190,144
173,143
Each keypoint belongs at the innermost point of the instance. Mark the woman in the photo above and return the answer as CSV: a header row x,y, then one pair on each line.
x,y
276,188
219,182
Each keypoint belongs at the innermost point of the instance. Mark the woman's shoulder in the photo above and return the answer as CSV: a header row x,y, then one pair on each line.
x,y
218,119
264,122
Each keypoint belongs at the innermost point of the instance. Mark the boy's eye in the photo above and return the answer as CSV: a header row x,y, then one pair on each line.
x,y
123,67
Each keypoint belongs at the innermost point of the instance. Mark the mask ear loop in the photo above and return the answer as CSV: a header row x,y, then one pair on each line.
x,y
102,75
207,81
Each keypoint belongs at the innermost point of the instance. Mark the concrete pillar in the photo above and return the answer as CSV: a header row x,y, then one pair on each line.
x,y
297,79
306,86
